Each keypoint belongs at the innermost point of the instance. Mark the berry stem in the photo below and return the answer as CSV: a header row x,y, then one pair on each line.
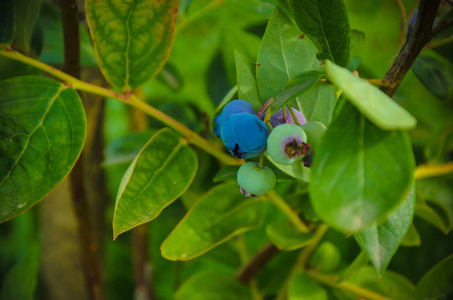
x,y
267,119
261,163
290,108
288,211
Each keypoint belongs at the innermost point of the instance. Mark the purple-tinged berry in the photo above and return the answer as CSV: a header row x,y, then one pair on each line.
x,y
254,180
245,135
233,107
287,144
277,118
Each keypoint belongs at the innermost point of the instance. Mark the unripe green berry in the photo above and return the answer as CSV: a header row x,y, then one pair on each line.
x,y
287,143
314,131
254,180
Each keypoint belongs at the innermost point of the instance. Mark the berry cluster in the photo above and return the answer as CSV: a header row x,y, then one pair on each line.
x,y
247,136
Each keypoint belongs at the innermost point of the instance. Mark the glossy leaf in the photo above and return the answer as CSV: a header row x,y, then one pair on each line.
x,y
389,284
325,23
219,215
318,103
160,173
381,242
435,74
360,173
295,87
42,132
284,55
436,214
21,280
296,170
286,237
246,79
26,14
213,286
437,282
303,287
7,22
372,102
132,39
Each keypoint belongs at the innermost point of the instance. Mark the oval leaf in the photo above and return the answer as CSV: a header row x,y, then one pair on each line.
x,y
303,287
436,214
295,87
372,102
132,39
213,286
435,74
360,172
326,24
221,214
437,282
42,132
246,79
381,242
318,103
296,170
160,173
284,54
286,237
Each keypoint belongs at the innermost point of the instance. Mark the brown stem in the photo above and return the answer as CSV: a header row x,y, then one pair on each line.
x,y
419,37
441,27
88,247
257,263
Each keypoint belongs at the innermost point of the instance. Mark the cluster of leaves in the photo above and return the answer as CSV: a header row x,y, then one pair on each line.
x,y
361,183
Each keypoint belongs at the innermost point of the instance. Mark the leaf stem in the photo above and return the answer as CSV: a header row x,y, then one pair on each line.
x,y
129,99
427,170
290,108
288,211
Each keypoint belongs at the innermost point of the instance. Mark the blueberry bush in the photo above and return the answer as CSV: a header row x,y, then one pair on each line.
x,y
226,149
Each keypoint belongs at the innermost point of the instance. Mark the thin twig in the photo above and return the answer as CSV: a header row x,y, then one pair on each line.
x,y
441,27
88,247
426,170
419,37
257,263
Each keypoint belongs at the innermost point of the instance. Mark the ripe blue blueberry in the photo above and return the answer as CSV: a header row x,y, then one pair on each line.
x,y
245,135
233,107
287,144
277,118
255,181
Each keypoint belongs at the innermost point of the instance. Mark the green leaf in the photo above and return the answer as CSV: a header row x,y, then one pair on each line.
x,y
360,173
295,87
7,22
381,241
436,75
436,214
284,54
42,132
318,103
389,284
20,282
213,286
226,173
219,215
357,40
132,39
437,282
325,23
296,170
160,173
261,8
286,237
372,102
303,287
246,79
411,238
27,12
